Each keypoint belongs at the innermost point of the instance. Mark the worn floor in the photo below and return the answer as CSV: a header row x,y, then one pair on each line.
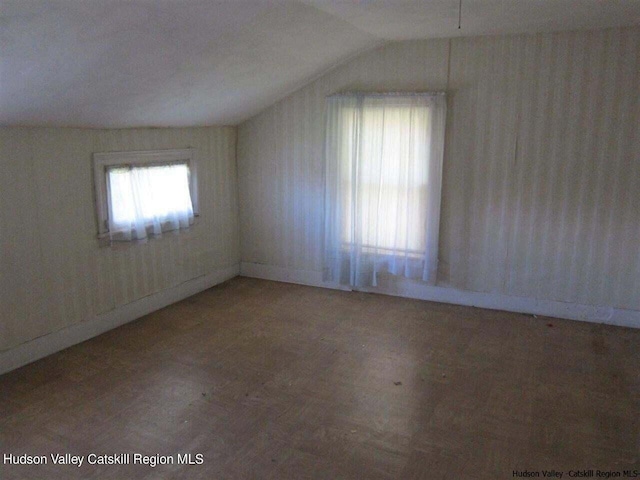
x,y
279,381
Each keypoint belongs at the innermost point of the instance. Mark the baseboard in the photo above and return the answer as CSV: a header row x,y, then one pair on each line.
x,y
282,274
410,289
47,344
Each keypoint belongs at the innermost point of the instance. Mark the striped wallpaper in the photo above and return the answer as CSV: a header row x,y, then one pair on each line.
x,y
541,188
52,272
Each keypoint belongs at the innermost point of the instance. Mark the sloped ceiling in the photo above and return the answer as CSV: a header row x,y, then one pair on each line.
x,y
107,63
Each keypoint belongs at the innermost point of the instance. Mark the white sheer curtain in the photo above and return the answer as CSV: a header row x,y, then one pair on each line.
x,y
382,186
148,200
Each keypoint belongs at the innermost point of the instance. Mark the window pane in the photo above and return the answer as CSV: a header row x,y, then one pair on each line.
x,y
383,170
145,194
392,176
122,210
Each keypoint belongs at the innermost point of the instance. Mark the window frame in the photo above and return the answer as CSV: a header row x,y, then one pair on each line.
x,y
348,243
103,161
351,259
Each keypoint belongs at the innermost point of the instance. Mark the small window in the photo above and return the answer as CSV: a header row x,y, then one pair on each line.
x,y
143,194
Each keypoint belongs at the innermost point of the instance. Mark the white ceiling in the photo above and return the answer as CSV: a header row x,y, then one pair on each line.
x,y
108,63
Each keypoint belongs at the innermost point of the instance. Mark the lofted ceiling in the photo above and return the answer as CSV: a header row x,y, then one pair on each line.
x,y
108,63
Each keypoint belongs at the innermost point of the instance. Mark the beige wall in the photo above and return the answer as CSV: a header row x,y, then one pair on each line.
x,y
52,273
541,189
540,194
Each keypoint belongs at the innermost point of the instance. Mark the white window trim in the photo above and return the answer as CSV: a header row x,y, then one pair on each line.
x,y
104,160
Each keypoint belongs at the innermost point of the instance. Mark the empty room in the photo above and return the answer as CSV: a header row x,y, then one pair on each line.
x,y
319,239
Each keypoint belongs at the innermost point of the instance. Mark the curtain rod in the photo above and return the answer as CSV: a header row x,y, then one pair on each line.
x,y
387,94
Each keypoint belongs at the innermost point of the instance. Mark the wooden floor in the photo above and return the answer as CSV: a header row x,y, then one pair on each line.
x,y
278,381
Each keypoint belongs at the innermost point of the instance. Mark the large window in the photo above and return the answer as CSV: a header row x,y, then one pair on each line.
x,y
383,182
140,194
